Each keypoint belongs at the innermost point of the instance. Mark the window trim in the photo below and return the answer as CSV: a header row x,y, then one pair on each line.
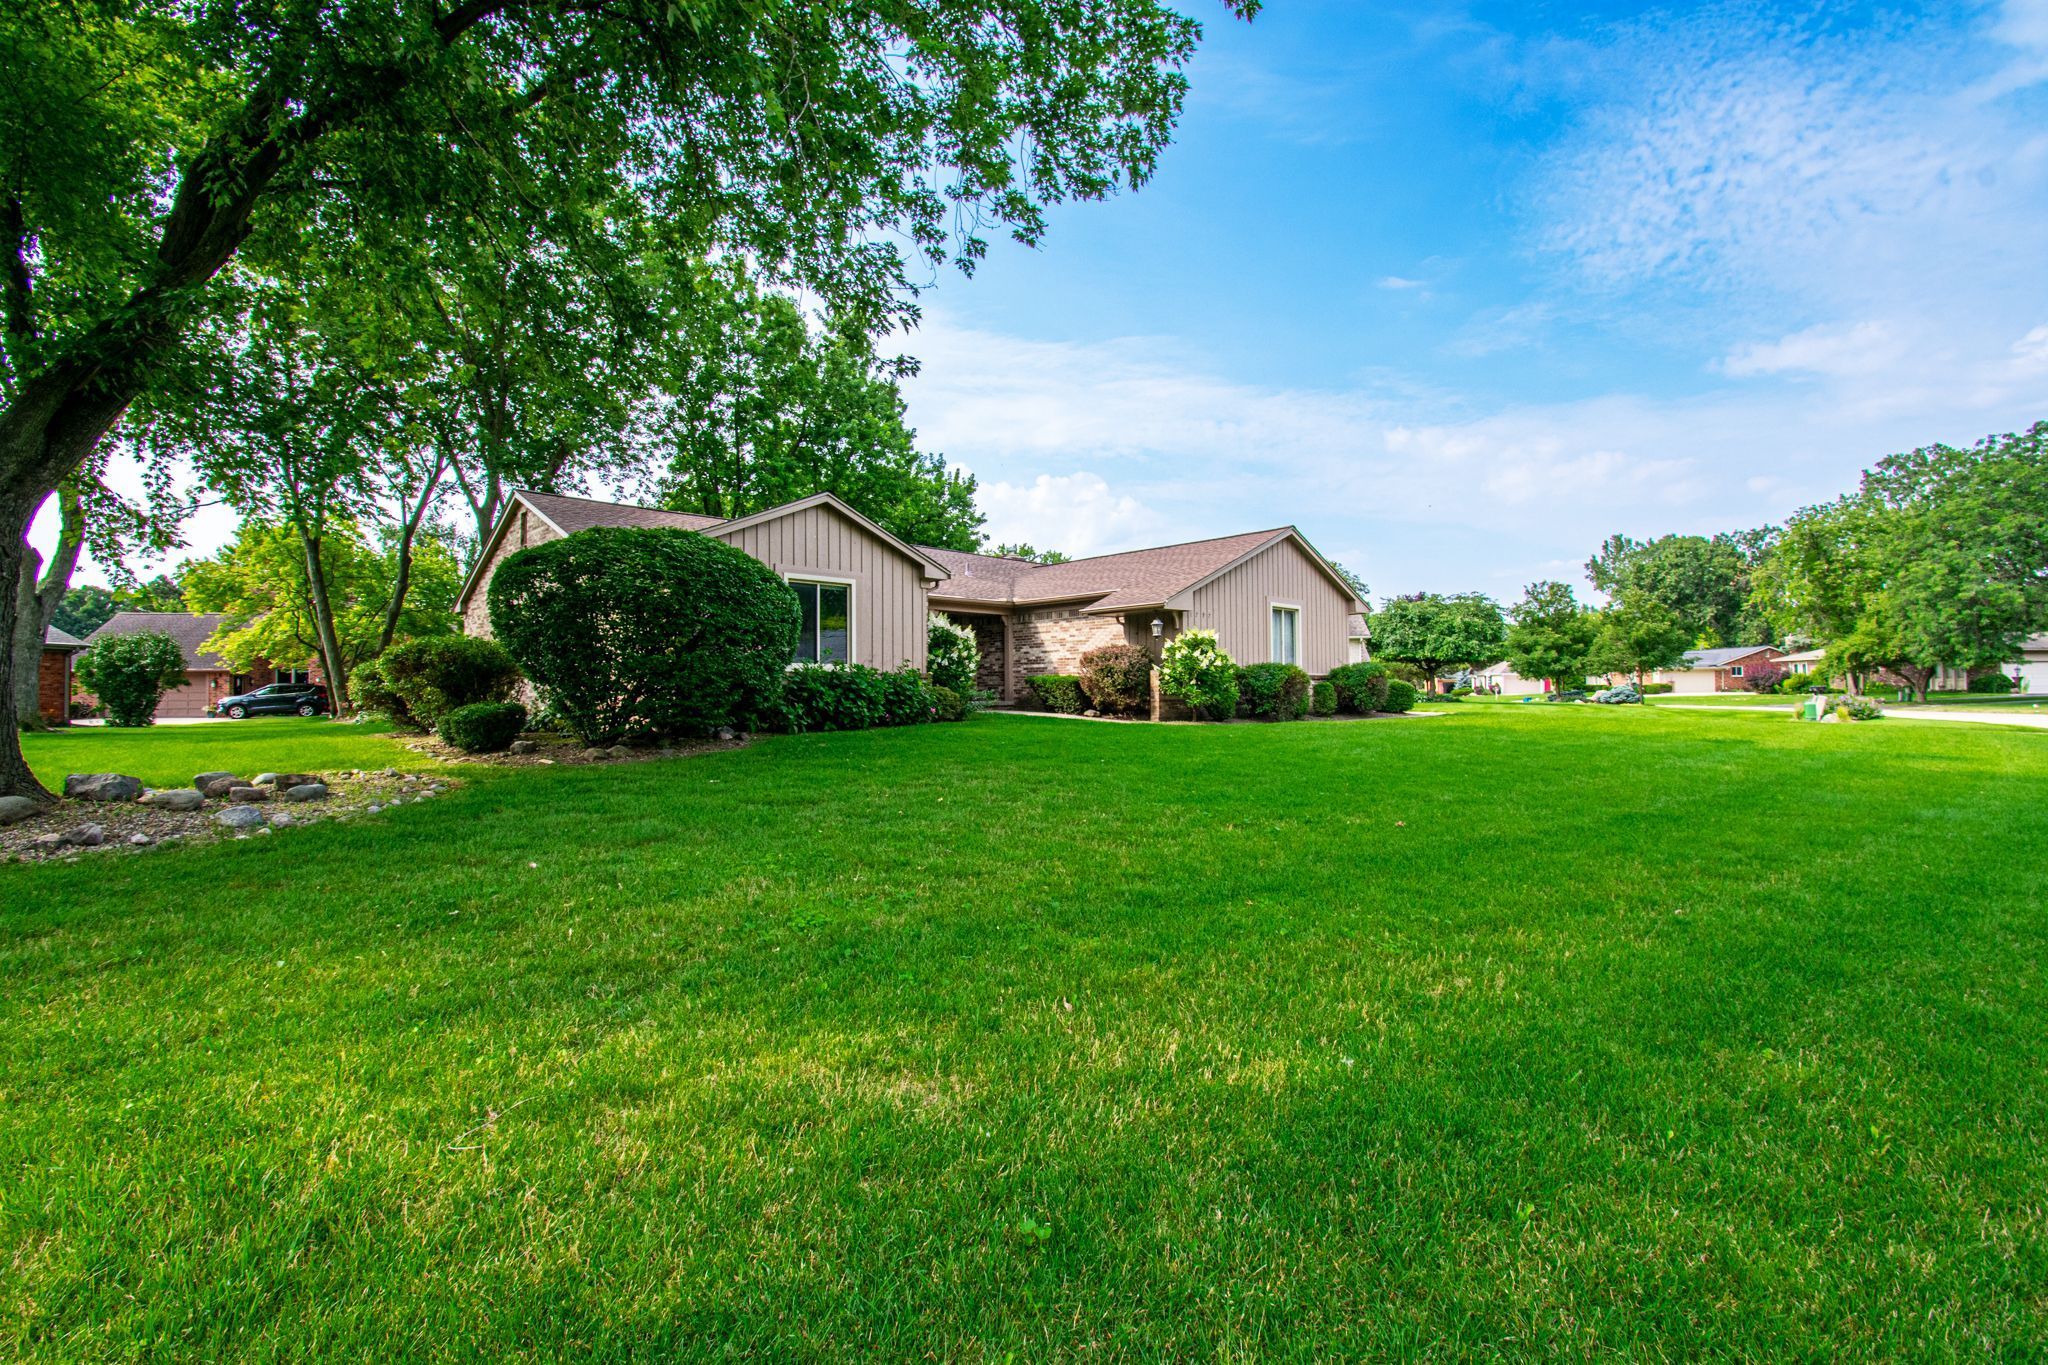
x,y
1735,670
852,587
1273,610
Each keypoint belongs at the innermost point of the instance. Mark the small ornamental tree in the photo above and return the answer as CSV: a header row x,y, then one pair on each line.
x,y
1117,678
131,673
1552,636
1434,632
628,631
1637,635
952,655
1195,671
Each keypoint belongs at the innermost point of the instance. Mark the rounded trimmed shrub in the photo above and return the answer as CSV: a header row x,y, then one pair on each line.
x,y
629,631
1361,688
130,674
434,674
1322,700
1401,696
1195,671
948,704
483,727
1272,691
1059,692
952,654
1998,683
1117,679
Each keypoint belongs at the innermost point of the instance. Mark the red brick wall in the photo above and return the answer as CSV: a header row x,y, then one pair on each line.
x,y
53,686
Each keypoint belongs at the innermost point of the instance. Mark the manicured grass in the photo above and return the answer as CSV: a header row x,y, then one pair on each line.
x,y
1522,1031
171,755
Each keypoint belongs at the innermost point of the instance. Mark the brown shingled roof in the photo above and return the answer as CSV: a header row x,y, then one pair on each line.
x,y
571,515
1128,579
189,628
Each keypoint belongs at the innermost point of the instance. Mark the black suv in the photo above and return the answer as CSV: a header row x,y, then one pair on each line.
x,y
278,699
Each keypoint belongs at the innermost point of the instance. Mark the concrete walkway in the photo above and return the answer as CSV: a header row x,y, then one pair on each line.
x,y
2027,720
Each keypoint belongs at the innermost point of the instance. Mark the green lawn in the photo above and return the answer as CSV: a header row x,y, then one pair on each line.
x,y
1521,1031
171,755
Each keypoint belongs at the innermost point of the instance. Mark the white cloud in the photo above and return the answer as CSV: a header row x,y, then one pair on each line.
x,y
1400,282
1861,348
1076,513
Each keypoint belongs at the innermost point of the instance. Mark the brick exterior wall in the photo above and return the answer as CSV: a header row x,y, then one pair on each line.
x,y
1053,640
53,686
526,529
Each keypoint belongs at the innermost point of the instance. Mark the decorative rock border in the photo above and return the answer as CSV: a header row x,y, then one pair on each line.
x,y
240,808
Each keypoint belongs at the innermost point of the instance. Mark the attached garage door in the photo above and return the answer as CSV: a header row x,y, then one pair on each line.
x,y
2033,676
1692,681
193,698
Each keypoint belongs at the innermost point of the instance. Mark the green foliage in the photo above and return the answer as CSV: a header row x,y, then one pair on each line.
x,y
1059,692
259,584
1401,696
1940,558
763,409
1705,583
131,673
1435,632
1654,689
952,655
1195,671
432,676
84,609
1859,708
1362,687
948,705
629,631
483,727
1992,683
1552,636
370,691
1323,700
1272,691
1637,635
1117,679
815,697
1021,550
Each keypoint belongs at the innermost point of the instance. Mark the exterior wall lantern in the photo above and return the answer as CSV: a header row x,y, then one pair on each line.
x,y
1158,628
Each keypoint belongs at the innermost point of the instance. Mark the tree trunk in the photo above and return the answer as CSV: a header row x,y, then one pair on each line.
x,y
401,578
323,623
38,601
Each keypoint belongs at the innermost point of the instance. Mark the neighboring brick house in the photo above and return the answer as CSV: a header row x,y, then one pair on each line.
x,y
208,677
1267,594
53,676
1717,670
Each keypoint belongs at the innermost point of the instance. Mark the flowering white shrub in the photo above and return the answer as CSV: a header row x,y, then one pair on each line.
x,y
1196,672
952,656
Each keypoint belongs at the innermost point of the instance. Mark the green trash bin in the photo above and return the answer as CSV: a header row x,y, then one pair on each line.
x,y
1811,711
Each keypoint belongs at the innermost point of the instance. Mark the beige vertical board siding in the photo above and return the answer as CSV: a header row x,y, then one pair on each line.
x,y
1238,607
888,593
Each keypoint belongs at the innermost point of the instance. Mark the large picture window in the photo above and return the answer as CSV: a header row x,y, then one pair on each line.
x,y
826,635
1286,635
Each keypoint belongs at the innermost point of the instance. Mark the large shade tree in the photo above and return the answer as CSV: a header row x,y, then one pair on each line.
x,y
841,145
1703,580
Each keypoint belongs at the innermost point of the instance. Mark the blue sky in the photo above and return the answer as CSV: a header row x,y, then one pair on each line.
x,y
1461,290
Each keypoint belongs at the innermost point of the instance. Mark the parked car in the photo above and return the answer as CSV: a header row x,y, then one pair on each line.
x,y
1624,695
278,699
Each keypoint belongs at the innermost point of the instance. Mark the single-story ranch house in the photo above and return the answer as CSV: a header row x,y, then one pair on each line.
x,y
1268,595
208,677
1716,670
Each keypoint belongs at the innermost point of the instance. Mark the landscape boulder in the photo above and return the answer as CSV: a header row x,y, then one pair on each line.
x,y
240,817
242,795
306,791
85,836
286,781
174,798
15,809
218,788
102,787
205,780
523,746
